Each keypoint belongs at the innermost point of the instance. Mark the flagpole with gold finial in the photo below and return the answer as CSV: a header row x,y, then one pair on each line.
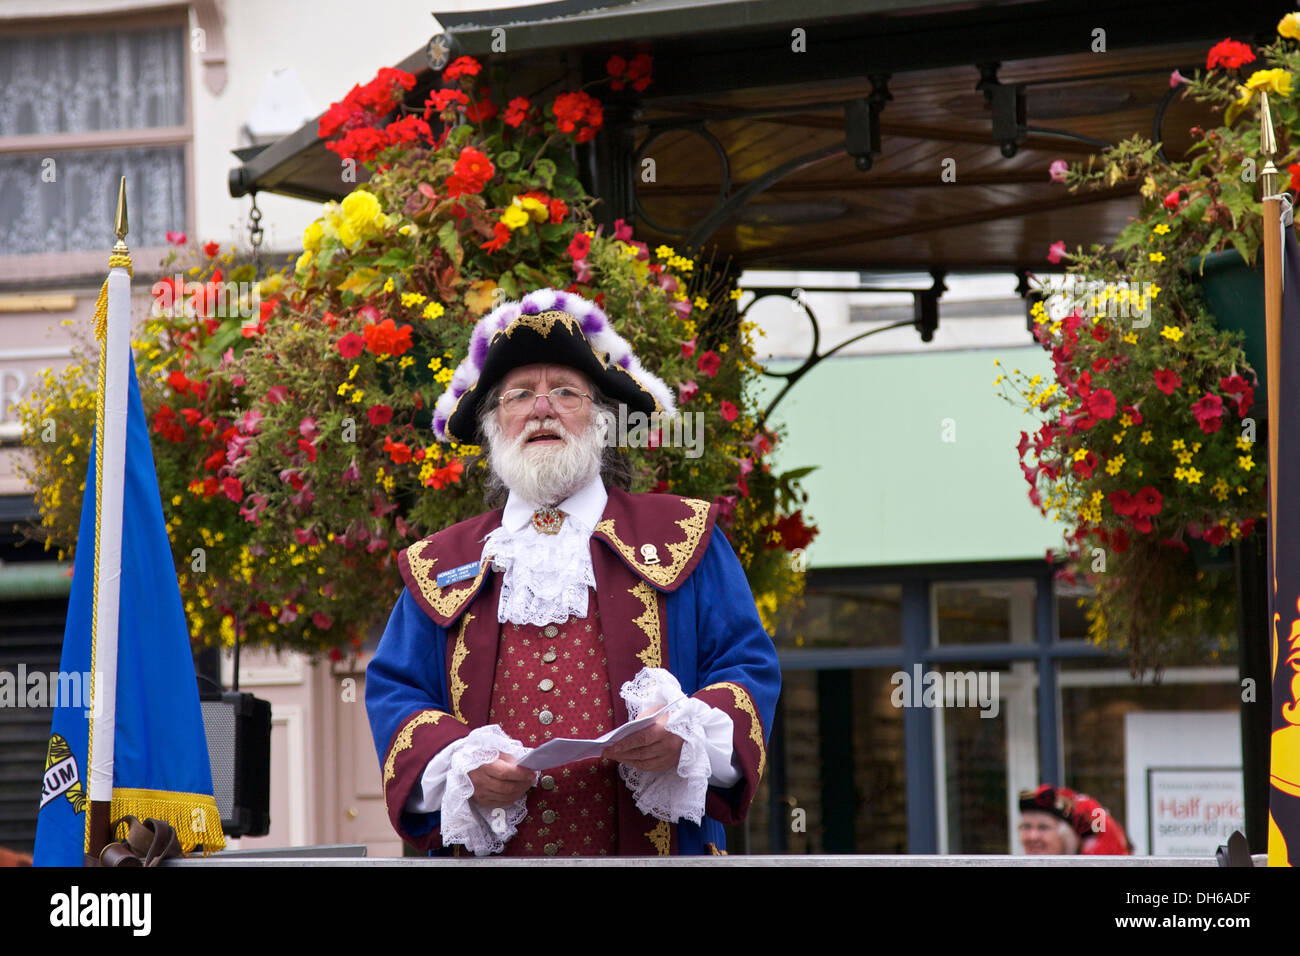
x,y
1272,303
112,319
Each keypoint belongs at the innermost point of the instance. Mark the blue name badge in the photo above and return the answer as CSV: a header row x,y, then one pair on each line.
x,y
458,574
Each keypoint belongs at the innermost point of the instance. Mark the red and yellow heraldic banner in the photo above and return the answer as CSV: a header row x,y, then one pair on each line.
x,y
1284,572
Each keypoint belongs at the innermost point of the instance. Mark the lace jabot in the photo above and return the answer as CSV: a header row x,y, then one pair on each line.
x,y
547,577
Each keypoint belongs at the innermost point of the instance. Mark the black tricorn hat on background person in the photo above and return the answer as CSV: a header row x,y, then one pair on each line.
x,y
1058,801
545,327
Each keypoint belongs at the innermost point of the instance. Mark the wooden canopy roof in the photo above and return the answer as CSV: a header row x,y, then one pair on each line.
x,y
753,141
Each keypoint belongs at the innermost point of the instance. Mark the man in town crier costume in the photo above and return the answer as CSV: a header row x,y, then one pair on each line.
x,y
572,609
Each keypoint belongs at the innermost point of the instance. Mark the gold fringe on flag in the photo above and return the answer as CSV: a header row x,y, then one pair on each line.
x,y
194,816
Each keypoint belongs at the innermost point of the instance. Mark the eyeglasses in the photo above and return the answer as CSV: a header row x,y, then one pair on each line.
x,y
521,401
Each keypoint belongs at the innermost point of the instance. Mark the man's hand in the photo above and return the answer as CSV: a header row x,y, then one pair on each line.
x,y
500,783
654,748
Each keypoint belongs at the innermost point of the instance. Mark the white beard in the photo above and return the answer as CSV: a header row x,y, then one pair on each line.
x,y
547,474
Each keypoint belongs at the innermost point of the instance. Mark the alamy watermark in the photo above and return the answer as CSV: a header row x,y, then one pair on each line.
x,y
656,430
1096,298
946,689
36,688
207,299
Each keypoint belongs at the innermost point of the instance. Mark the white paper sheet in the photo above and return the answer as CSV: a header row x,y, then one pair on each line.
x,y
562,750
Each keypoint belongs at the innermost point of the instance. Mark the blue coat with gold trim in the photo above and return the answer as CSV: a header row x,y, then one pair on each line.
x,y
430,681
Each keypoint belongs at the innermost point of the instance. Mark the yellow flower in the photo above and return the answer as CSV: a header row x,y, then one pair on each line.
x,y
1194,476
1114,465
303,262
1244,444
388,284
1275,81
352,372
538,209
1080,454
1178,445
1172,333
1289,26
1245,463
1155,290
1161,229
700,302
1126,420
1156,256
737,293
412,298
406,229
311,236
434,310
343,389
1184,457
514,217
443,377
435,363
405,362
1131,338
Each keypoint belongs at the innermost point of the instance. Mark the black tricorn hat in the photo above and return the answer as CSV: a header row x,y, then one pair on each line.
x,y
547,327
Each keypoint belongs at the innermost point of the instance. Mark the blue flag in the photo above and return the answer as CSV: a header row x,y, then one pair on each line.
x,y
160,765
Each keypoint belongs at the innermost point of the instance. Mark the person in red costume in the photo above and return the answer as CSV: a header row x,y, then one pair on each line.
x,y
1056,820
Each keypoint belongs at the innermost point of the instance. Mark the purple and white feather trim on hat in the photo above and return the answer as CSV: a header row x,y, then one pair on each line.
x,y
595,325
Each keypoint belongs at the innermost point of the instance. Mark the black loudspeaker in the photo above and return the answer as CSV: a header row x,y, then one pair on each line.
x,y
238,728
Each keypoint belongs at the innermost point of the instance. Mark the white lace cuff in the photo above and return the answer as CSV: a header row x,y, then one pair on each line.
x,y
463,821
671,795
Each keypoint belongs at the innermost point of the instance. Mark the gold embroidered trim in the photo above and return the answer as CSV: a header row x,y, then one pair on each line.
x,y
661,837
664,574
541,323
458,686
746,703
445,601
648,621
403,742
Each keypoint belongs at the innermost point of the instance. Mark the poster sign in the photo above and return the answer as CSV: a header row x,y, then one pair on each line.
x,y
1191,811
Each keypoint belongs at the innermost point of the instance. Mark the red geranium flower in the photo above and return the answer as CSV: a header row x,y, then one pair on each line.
x,y
471,173
409,129
1174,200
580,112
709,363
558,209
379,414
462,66
210,249
482,111
517,111
440,101
1230,54
351,345
1100,332
1167,381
